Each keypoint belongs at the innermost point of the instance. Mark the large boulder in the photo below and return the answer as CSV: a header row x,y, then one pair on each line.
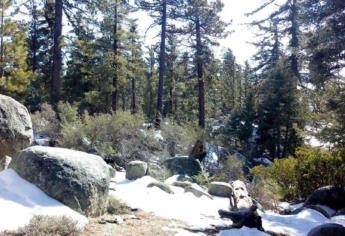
x,y
136,170
15,127
183,166
220,189
330,196
157,171
77,179
330,229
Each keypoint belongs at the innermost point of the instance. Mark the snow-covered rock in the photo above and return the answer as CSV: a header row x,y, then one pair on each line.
x,y
330,229
21,200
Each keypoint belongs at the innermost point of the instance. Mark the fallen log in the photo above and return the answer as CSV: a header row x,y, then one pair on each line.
x,y
249,218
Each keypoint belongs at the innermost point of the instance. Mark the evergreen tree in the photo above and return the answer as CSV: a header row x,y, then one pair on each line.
x,y
14,71
206,27
161,11
279,117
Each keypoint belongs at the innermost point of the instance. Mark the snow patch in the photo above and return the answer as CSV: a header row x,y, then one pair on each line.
x,y
199,213
297,225
242,232
21,200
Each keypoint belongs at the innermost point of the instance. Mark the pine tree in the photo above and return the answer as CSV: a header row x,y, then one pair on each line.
x,y
206,27
15,73
287,19
161,11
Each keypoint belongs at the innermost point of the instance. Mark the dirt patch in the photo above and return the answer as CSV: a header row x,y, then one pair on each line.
x,y
140,223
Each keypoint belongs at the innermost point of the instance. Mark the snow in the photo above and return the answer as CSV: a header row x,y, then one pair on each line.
x,y
242,232
199,213
202,213
297,225
21,200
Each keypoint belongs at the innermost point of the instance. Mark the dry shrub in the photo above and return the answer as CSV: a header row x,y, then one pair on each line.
x,y
116,207
49,226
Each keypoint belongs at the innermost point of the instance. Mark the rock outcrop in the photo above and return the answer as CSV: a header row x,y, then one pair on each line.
x,y
77,179
15,127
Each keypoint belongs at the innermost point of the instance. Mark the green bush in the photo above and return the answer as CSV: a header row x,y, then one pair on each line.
x,y
184,135
45,121
283,172
202,179
231,171
49,226
317,168
267,191
310,169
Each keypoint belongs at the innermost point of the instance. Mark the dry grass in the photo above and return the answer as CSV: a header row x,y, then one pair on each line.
x,y
48,226
115,206
144,224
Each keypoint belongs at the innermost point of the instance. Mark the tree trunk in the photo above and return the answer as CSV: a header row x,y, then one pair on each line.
x,y
134,102
201,84
34,37
294,43
162,67
2,43
115,51
57,53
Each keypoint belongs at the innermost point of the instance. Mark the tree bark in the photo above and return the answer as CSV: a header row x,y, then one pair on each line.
x,y
200,72
134,101
34,36
114,92
2,42
57,53
294,43
162,66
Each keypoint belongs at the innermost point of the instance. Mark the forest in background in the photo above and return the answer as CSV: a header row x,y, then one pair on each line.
x,y
294,84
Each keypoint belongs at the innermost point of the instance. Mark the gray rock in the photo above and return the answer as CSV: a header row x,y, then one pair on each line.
x,y
15,127
197,191
330,196
5,162
161,186
220,189
183,166
77,179
156,171
330,229
136,170
182,184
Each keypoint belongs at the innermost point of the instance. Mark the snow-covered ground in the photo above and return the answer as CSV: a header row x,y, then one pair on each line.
x,y
21,200
197,212
201,213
